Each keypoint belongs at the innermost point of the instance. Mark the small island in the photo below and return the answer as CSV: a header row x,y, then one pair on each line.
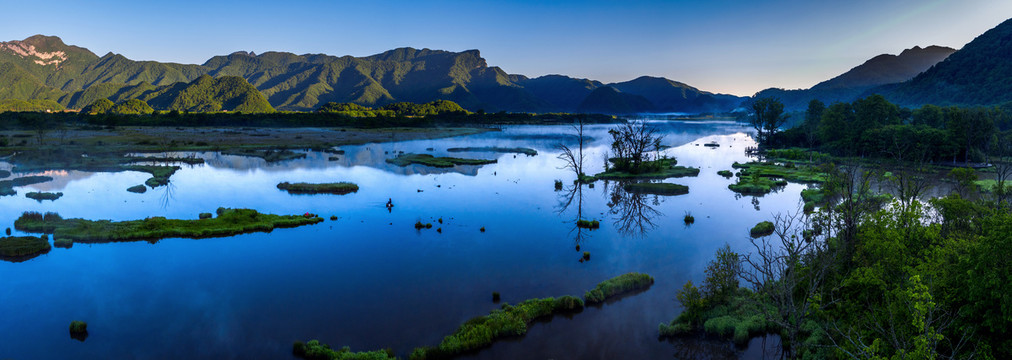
x,y
39,196
22,248
439,162
517,150
338,188
228,223
656,189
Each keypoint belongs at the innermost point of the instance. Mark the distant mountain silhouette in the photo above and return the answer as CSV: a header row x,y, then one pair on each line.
x,y
878,71
978,74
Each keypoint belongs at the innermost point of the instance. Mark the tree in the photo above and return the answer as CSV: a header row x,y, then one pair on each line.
x,y
38,123
787,271
767,117
574,159
812,118
631,144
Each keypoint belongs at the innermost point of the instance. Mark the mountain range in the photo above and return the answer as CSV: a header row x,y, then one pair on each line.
x,y
41,70
861,80
44,68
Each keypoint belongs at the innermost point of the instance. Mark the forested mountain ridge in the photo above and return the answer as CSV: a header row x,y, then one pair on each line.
x,y
43,67
858,81
978,74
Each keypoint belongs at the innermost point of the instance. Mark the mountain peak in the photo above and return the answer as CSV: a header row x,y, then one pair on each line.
x,y
35,48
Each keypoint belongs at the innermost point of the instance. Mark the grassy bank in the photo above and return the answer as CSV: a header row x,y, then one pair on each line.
x,y
441,162
21,248
339,188
656,188
755,185
228,223
517,150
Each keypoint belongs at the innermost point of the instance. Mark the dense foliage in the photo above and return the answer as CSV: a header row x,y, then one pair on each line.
x,y
875,127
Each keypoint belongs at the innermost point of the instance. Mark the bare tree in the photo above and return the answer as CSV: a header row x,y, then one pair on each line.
x,y
632,143
574,159
786,270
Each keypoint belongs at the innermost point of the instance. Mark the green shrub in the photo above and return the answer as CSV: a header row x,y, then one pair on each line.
x,y
725,173
761,229
15,247
205,216
587,224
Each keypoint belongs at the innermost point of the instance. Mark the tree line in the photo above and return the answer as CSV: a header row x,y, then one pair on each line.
x,y
874,127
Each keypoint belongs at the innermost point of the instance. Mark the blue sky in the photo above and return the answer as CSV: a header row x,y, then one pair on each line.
x,y
736,47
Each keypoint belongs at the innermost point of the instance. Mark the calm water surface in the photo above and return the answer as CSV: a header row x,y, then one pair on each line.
x,y
369,280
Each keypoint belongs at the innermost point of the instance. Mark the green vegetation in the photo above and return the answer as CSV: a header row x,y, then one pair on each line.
x,y
767,116
132,107
339,188
763,228
39,196
656,188
689,219
496,297
720,307
313,350
509,320
586,256
78,327
618,286
140,189
656,169
63,243
725,173
100,106
166,159
38,105
4,174
7,186
228,223
756,185
19,248
588,224
159,174
441,162
518,150
806,174
269,155
438,107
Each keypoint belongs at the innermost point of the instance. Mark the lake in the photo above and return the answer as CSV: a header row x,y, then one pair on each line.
x,y
369,279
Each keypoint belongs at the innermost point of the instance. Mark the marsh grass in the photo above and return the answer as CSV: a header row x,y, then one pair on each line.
x,y
588,224
689,219
756,185
269,155
338,188
20,248
656,189
725,173
617,286
39,196
508,321
439,162
313,350
229,222
140,189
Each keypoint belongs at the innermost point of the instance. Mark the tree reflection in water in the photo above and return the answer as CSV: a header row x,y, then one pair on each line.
x,y
568,197
634,212
167,195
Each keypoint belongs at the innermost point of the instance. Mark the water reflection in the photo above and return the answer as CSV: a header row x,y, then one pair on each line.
x,y
634,212
568,197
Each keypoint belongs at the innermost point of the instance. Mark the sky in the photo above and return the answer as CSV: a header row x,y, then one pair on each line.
x,y
727,46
